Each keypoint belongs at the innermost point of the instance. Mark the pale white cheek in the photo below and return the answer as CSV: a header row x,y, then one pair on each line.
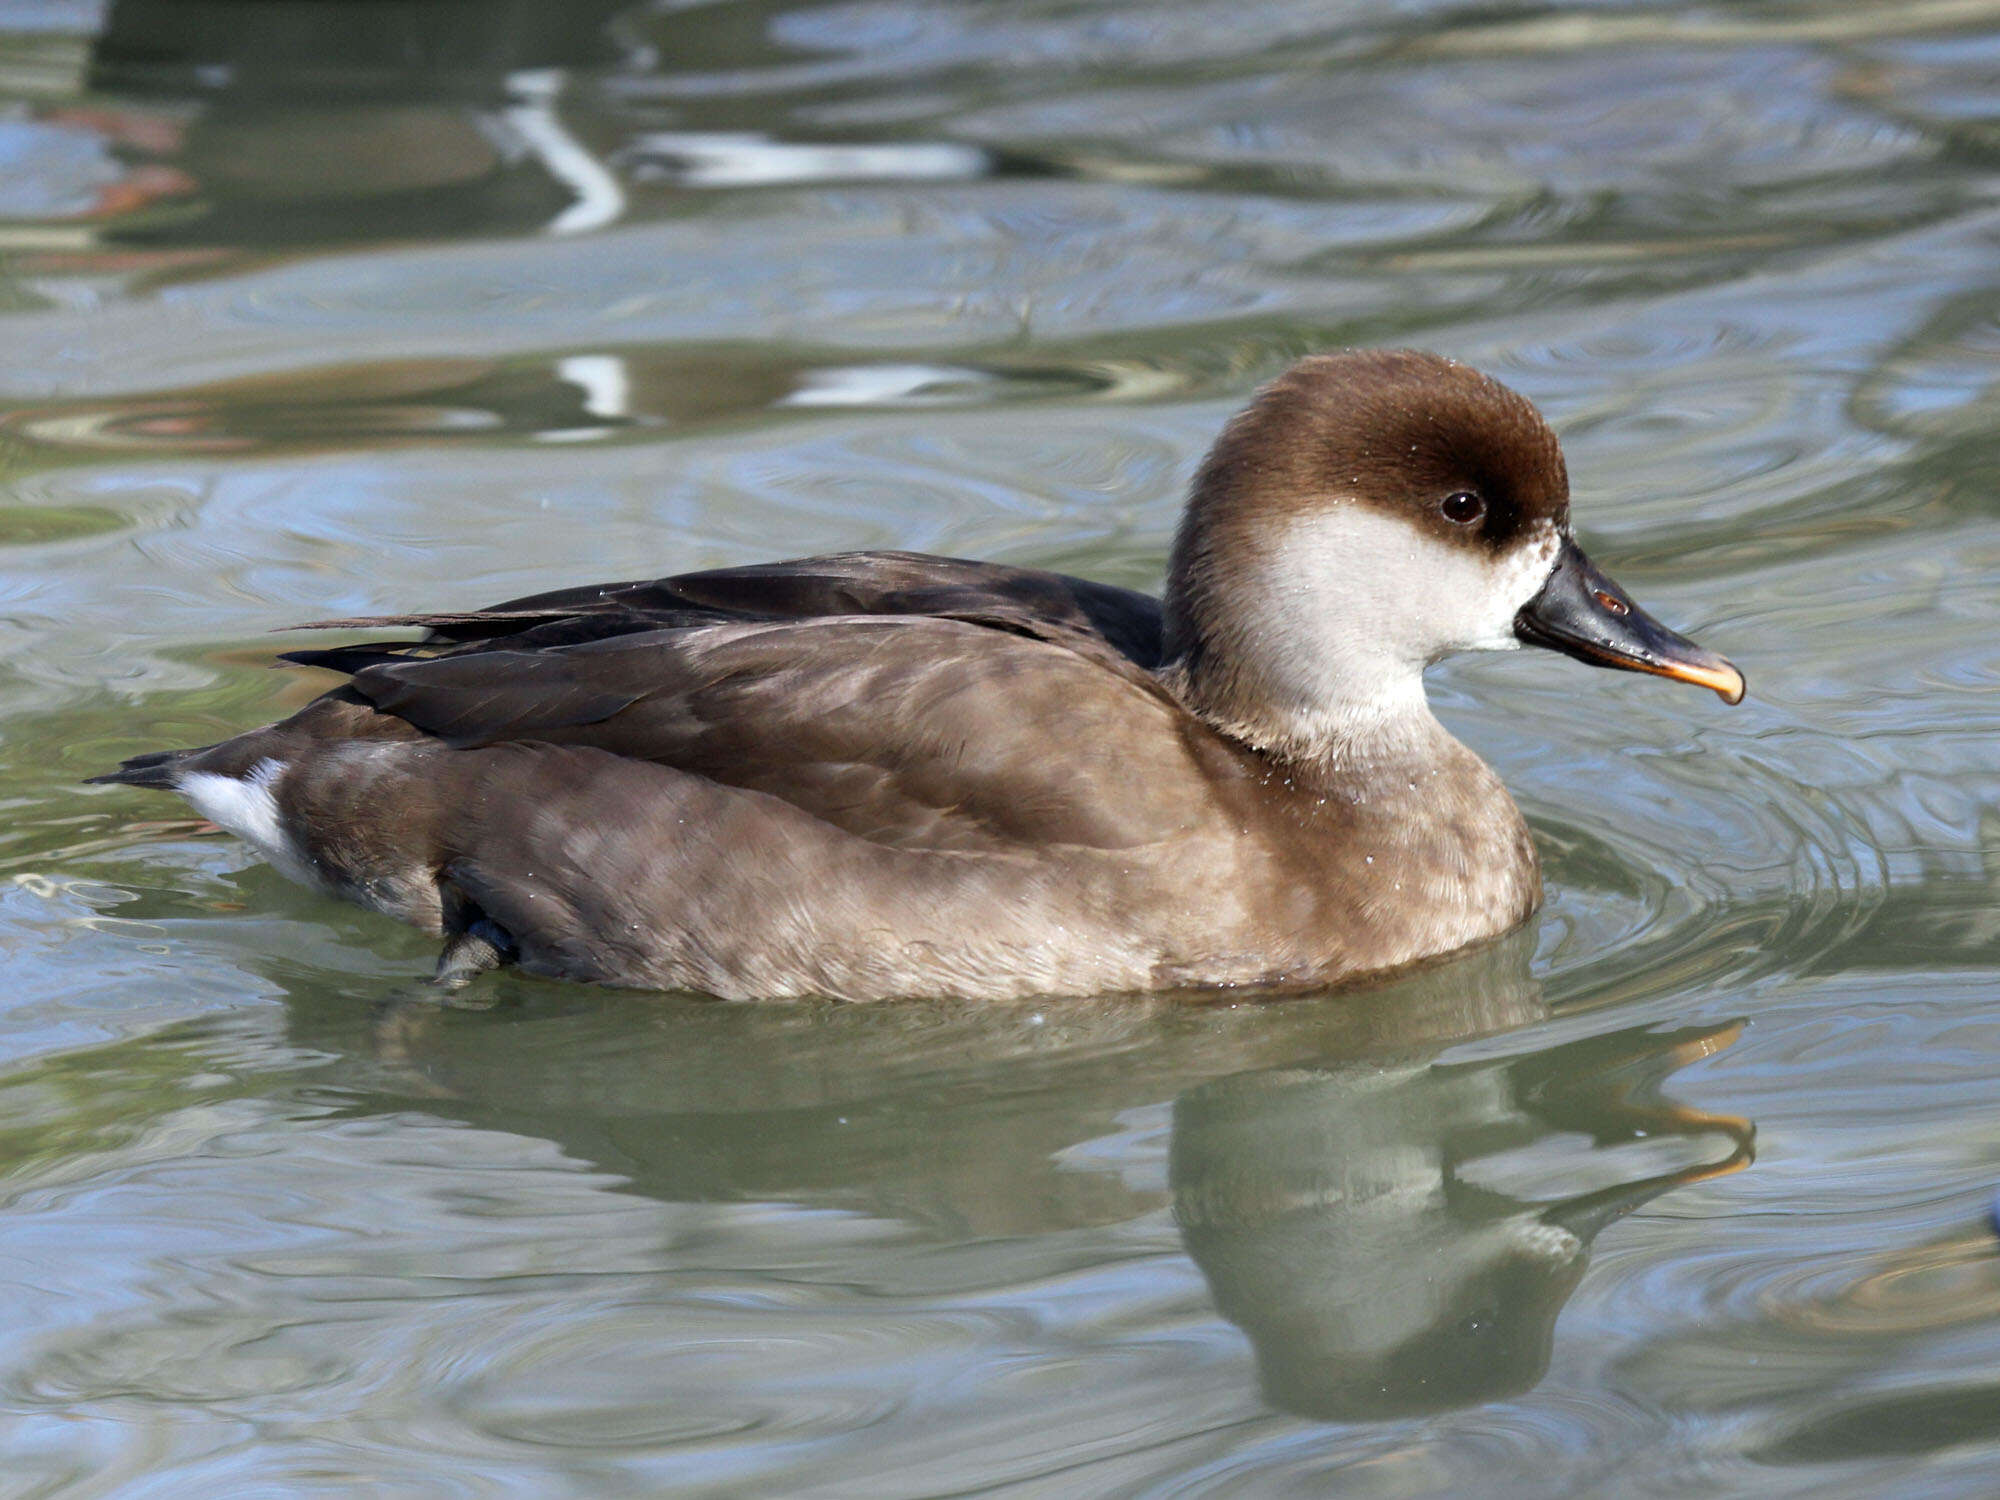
x,y
1352,603
1439,598
1505,589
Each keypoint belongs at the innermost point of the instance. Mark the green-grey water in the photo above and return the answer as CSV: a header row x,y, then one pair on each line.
x,y
322,309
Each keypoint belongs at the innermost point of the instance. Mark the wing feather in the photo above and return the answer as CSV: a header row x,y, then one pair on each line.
x,y
907,730
1029,601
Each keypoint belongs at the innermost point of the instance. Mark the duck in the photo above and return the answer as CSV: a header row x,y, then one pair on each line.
x,y
884,774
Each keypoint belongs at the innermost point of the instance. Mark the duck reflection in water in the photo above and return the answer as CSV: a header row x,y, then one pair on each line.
x,y
1339,1216
1395,1228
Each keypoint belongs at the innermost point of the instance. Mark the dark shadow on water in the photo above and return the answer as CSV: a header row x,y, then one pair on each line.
x,y
327,123
320,123
1893,1425
1396,1230
610,391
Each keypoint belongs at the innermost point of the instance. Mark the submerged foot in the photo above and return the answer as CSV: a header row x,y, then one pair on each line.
x,y
479,949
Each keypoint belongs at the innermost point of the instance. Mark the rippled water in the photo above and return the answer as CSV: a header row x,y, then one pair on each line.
x,y
1684,1191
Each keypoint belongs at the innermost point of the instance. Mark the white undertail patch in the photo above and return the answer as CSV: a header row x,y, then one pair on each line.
x,y
248,807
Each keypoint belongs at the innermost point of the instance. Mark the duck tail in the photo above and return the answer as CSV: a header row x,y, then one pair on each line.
x,y
158,769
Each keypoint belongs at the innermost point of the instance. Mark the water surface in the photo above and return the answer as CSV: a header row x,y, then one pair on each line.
x,y
1683,1190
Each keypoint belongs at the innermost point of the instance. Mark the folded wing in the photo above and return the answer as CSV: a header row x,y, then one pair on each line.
x,y
915,702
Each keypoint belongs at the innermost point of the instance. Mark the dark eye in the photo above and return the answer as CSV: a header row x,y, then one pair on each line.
x,y
1462,509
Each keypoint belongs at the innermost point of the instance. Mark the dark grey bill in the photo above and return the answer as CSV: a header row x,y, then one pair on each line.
x,y
1581,613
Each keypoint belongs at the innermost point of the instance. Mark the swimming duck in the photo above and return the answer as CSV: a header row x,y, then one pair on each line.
x,y
884,774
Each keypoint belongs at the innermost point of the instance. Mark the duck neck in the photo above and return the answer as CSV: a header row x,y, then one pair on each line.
x,y
1311,687
1411,815
1358,735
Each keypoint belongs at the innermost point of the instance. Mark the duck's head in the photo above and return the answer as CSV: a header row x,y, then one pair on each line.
x,y
1368,513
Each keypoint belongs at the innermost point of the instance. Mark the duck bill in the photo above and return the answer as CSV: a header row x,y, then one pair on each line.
x,y
1581,613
